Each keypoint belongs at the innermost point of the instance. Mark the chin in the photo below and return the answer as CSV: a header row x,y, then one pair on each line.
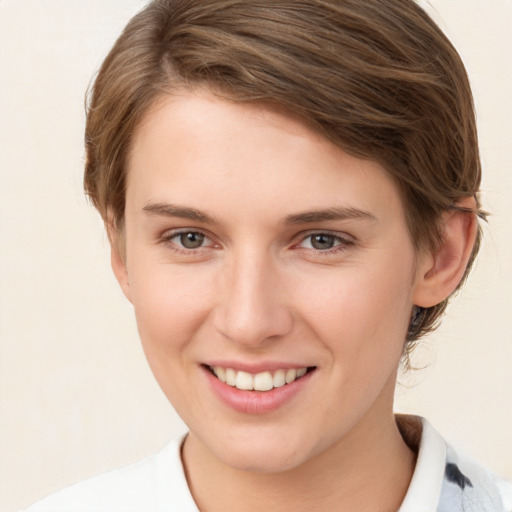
x,y
262,462
262,453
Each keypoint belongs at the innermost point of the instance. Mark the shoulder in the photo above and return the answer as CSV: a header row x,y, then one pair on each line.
x,y
150,484
445,480
473,485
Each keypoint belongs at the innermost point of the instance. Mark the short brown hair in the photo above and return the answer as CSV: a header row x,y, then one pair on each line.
x,y
376,77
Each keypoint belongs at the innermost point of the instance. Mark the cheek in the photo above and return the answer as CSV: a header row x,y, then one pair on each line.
x,y
170,310
362,314
170,305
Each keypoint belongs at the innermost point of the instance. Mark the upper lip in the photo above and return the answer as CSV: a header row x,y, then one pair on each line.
x,y
254,368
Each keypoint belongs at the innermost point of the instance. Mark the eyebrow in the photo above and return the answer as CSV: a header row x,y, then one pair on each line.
x,y
171,210
307,217
329,214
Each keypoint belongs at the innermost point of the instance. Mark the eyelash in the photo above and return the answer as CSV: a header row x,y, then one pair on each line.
x,y
168,238
341,243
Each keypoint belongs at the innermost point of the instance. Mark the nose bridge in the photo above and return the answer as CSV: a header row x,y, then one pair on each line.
x,y
252,307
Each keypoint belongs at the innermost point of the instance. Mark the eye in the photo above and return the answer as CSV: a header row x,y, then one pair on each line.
x,y
190,239
324,242
187,240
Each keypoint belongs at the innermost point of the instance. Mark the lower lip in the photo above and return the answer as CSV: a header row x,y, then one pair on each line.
x,y
256,402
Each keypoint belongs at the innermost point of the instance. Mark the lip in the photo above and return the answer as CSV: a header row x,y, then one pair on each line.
x,y
255,402
270,366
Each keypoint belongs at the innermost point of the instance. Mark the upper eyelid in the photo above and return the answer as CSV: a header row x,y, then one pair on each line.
x,y
169,234
344,241
337,234
298,238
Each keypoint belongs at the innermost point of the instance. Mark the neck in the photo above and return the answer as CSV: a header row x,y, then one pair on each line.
x,y
369,470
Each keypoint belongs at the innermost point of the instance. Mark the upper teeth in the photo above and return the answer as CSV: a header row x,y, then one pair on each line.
x,y
264,381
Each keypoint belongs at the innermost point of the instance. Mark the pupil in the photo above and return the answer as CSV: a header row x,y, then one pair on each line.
x,y
191,240
322,241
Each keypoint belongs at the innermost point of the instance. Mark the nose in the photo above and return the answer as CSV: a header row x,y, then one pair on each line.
x,y
252,307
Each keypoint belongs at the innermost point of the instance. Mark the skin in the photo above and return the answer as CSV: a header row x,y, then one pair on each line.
x,y
256,291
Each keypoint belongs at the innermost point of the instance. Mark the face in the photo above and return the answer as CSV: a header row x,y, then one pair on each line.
x,y
260,254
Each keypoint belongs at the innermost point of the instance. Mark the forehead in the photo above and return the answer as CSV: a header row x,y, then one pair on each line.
x,y
196,148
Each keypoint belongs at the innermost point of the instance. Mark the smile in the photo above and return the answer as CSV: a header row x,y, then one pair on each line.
x,y
265,390
264,381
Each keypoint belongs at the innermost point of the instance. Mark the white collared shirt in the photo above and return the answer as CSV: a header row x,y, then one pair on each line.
x,y
442,482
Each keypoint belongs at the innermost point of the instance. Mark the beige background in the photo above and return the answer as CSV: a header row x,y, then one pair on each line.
x,y
76,396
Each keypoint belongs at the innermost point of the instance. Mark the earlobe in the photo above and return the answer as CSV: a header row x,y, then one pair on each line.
x,y
440,274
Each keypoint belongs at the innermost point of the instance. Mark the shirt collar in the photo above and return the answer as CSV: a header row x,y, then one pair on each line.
x,y
425,488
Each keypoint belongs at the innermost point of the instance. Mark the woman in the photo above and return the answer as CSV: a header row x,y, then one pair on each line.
x,y
291,195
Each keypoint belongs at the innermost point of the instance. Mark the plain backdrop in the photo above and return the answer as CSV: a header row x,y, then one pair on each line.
x,y
76,395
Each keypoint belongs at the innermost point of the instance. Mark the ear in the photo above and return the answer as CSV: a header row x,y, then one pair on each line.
x,y
116,236
440,273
